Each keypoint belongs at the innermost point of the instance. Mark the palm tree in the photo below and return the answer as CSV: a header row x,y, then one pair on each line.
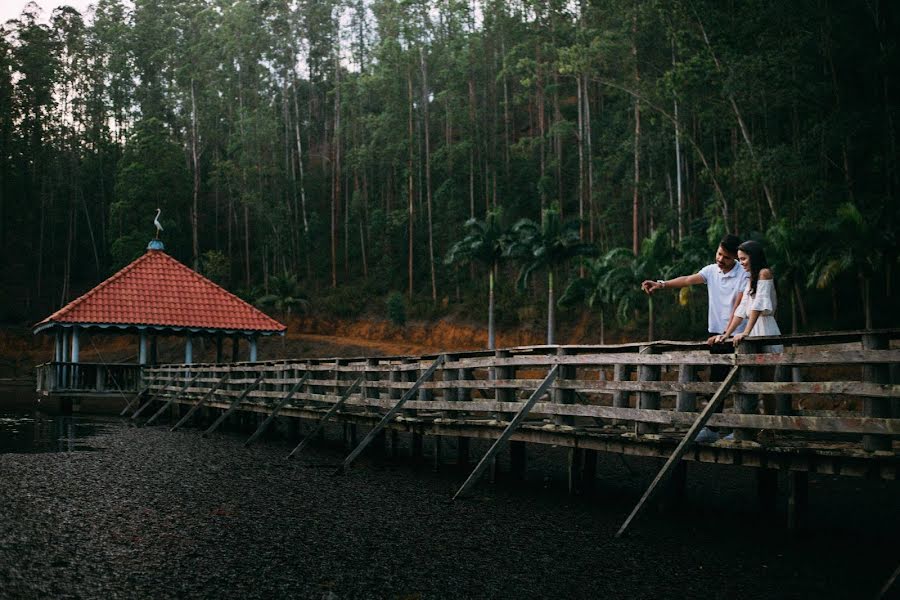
x,y
787,246
484,243
621,273
596,288
855,247
547,246
284,295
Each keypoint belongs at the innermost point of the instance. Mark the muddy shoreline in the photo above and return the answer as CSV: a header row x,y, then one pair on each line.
x,y
153,514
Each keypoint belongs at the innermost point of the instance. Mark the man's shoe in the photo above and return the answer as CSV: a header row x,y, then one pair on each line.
x,y
706,436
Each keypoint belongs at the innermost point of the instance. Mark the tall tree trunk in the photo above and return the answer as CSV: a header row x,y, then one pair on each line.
x,y
589,156
551,309
679,194
425,102
635,200
492,338
410,214
336,171
195,198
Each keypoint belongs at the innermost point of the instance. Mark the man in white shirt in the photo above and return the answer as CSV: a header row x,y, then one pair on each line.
x,y
725,282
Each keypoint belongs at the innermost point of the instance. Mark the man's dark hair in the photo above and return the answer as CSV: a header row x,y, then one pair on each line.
x,y
730,243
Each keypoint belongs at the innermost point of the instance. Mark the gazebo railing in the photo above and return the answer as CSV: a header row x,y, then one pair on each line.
x,y
88,378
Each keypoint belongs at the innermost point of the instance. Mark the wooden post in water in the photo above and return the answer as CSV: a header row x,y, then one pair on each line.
x,y
463,394
501,394
684,402
647,400
746,404
370,392
876,407
798,498
448,394
622,398
566,396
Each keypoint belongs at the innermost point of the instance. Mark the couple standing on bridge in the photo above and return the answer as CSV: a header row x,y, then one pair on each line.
x,y
740,287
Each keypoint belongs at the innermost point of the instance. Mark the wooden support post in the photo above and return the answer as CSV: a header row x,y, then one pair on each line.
x,y
682,447
783,401
574,456
622,398
588,470
265,424
876,407
767,490
218,348
510,429
199,402
798,498
648,400
746,403
234,404
563,396
321,423
516,448
172,399
417,442
389,416
463,394
686,401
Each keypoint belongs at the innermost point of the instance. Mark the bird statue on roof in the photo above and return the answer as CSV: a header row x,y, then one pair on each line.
x,y
156,222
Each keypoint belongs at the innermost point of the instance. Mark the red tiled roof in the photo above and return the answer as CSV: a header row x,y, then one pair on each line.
x,y
158,291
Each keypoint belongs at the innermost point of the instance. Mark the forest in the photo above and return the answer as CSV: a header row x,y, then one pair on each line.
x,y
410,159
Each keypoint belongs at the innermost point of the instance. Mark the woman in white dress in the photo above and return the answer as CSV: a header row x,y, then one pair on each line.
x,y
759,301
758,307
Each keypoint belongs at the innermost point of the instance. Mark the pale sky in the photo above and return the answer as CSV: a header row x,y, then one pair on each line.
x,y
12,9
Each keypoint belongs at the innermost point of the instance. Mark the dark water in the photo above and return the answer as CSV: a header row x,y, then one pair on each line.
x,y
156,514
29,425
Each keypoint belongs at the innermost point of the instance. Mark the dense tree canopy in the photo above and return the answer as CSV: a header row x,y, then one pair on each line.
x,y
343,145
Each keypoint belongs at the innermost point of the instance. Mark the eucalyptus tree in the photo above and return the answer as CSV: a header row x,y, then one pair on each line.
x,y
547,246
485,242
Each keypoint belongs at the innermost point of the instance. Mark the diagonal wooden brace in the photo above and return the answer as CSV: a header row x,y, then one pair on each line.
x,y
234,404
388,417
262,427
510,429
172,399
150,397
682,447
205,397
334,408
137,399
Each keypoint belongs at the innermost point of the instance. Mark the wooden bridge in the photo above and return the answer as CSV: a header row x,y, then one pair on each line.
x,y
837,403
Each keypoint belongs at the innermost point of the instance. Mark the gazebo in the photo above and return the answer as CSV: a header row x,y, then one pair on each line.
x,y
154,295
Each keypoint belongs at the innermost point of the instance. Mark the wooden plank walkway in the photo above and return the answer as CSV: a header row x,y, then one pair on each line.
x,y
837,401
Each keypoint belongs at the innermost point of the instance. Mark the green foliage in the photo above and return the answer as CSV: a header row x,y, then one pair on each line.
x,y
396,308
259,145
285,296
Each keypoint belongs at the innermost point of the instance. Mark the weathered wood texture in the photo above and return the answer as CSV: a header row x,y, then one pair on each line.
x,y
848,387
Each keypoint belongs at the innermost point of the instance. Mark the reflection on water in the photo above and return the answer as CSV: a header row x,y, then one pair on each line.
x,y
27,426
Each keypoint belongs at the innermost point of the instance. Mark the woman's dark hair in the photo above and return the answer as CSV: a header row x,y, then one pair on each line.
x,y
758,262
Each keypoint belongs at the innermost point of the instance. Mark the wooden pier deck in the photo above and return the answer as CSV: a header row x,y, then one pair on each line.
x,y
836,396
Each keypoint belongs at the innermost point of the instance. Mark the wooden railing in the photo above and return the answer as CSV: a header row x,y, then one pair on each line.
x,y
88,378
831,390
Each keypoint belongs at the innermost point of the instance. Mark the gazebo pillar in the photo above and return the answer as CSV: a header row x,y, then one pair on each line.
x,y
142,352
188,349
58,345
235,345
218,348
253,348
75,348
